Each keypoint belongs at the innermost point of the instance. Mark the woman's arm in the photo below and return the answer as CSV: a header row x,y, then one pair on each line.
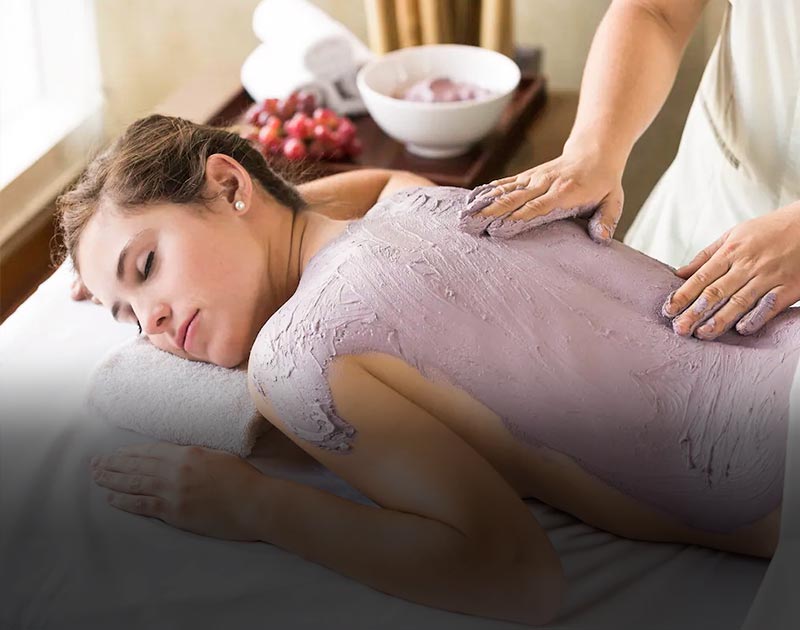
x,y
450,533
349,195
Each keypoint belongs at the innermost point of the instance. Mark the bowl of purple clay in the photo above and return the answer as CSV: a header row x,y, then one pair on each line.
x,y
438,100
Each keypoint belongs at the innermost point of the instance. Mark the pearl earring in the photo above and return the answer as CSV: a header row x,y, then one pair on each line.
x,y
239,205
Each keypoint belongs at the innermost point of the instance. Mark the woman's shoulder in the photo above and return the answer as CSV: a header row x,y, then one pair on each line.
x,y
291,356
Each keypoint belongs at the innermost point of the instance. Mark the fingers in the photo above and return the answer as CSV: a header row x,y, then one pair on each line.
x,y
129,464
694,286
504,180
152,449
505,200
77,290
603,223
739,312
477,192
731,311
130,484
712,298
535,207
775,301
138,503
701,258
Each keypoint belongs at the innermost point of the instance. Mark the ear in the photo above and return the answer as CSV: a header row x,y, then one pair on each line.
x,y
229,179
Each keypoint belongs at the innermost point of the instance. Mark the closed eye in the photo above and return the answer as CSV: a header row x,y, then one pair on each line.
x,y
148,264
147,267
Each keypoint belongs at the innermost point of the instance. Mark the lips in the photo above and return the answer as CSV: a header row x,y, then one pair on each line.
x,y
181,338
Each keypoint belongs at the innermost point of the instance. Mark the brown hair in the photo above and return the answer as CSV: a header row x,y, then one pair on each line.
x,y
158,159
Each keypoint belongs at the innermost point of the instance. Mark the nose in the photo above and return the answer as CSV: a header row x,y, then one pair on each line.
x,y
156,318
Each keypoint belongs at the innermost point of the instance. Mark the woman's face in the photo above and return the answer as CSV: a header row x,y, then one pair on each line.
x,y
194,282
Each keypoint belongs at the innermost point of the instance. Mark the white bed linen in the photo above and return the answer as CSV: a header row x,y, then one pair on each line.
x,y
69,560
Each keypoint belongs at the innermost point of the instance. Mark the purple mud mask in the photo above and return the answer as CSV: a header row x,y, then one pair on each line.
x,y
562,337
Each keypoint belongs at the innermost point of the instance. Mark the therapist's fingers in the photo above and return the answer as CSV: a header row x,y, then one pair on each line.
x,y
504,204
775,301
503,180
690,290
604,221
713,297
539,206
702,257
539,202
731,312
533,179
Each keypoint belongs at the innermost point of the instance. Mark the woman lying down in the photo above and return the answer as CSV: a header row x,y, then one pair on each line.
x,y
445,374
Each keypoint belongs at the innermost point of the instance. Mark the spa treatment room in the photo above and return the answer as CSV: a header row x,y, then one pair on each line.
x,y
448,314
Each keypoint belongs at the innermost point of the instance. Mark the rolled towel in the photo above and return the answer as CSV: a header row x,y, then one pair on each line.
x,y
292,27
322,56
144,389
266,73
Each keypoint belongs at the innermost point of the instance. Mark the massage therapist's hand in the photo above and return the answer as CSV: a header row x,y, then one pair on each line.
x,y
743,279
201,490
577,183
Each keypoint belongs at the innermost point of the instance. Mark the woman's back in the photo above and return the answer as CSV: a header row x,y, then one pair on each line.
x,y
561,337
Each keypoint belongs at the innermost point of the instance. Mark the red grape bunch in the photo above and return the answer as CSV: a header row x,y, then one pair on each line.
x,y
296,128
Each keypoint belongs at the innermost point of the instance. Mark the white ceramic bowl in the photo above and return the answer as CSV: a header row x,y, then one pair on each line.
x,y
437,130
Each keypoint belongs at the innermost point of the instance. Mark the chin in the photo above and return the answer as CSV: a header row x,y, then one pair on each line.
x,y
226,363
232,353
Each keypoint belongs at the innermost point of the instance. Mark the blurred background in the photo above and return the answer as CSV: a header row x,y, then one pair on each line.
x,y
103,63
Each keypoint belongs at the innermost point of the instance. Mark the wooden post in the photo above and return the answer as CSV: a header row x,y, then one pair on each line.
x,y
381,25
408,23
432,20
497,32
466,19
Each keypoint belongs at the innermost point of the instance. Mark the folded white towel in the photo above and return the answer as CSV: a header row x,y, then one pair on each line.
x,y
144,389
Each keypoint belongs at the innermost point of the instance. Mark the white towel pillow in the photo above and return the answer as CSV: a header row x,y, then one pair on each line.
x,y
144,389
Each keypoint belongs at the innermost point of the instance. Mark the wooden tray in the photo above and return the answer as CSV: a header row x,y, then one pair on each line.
x,y
480,164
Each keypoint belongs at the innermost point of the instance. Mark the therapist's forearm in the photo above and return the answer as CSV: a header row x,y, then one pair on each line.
x,y
631,67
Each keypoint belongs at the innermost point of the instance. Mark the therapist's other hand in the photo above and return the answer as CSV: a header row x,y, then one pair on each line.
x,y
575,179
202,490
743,279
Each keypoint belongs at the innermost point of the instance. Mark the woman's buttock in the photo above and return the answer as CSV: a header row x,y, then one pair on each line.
x,y
552,477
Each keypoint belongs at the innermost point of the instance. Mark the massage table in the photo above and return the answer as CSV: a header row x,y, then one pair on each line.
x,y
70,560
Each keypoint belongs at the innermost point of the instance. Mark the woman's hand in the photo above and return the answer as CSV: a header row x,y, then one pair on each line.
x,y
201,490
577,183
78,291
743,279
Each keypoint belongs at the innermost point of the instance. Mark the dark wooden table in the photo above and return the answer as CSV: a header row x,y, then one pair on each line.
x,y
484,160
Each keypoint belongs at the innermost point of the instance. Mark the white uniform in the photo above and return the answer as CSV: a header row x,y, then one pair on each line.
x,y
739,155
739,158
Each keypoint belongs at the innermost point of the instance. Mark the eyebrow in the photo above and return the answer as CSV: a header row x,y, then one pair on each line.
x,y
121,268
